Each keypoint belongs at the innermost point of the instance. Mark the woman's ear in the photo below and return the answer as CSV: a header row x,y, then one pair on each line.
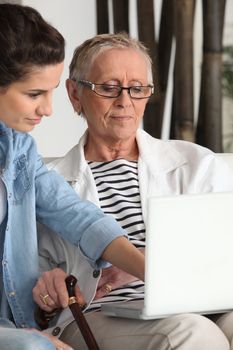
x,y
72,90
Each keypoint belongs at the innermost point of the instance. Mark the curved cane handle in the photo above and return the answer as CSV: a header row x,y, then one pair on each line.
x,y
70,285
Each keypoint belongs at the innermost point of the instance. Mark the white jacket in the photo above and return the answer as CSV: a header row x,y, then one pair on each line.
x,y
164,168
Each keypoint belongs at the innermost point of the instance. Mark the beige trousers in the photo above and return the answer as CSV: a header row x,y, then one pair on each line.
x,y
180,332
225,322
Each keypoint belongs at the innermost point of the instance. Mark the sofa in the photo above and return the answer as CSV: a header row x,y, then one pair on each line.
x,y
228,158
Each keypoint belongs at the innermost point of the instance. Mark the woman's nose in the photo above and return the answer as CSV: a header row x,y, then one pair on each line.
x,y
45,108
124,99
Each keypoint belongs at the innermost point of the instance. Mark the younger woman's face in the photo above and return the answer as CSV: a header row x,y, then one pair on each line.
x,y
24,103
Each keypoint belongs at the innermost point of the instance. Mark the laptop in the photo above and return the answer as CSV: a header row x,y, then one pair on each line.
x,y
188,258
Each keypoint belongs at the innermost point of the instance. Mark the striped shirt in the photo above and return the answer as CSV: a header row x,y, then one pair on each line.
x,y
119,196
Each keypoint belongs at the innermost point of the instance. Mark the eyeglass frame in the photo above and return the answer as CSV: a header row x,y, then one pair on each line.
x,y
91,85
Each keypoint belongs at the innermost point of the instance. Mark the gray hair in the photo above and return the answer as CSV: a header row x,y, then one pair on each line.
x,y
85,54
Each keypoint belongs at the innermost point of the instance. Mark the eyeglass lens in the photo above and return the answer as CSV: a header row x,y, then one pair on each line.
x,y
115,91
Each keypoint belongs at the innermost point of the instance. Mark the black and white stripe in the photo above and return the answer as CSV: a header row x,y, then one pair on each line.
x,y
118,189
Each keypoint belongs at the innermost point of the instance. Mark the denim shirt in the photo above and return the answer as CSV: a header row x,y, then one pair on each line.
x,y
36,194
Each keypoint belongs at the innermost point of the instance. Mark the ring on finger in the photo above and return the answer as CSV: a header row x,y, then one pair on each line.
x,y
44,298
107,287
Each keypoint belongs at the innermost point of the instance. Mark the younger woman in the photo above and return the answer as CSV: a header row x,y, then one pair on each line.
x,y
31,63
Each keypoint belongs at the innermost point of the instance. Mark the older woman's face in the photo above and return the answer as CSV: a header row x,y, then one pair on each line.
x,y
115,118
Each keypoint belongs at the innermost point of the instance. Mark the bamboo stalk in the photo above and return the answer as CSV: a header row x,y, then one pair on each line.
x,y
102,16
146,32
183,118
164,54
121,15
209,129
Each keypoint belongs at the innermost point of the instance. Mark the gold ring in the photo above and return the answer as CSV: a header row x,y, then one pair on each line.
x,y
72,300
107,287
43,298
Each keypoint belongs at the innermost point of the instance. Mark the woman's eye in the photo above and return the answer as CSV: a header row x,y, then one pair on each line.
x,y
109,88
136,89
34,94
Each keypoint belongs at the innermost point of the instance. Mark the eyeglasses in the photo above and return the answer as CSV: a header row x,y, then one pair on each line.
x,y
113,91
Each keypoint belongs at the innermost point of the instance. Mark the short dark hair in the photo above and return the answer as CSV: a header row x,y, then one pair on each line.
x,y
26,41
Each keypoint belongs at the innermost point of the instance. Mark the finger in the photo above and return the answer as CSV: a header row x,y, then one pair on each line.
x,y
48,279
47,303
103,280
79,297
104,290
60,287
46,300
56,287
99,294
45,287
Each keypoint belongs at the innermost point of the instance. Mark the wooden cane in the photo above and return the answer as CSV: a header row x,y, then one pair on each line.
x,y
78,315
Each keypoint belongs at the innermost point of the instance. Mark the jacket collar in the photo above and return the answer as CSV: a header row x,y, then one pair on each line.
x,y
73,163
160,156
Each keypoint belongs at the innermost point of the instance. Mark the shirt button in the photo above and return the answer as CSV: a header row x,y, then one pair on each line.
x,y
12,294
56,331
10,195
96,273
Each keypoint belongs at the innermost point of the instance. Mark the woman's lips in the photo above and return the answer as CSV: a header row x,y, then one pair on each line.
x,y
121,116
34,121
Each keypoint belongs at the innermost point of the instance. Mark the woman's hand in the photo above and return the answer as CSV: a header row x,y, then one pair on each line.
x,y
50,291
113,278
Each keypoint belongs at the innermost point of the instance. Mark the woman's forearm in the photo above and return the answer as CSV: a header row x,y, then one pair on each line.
x,y
121,253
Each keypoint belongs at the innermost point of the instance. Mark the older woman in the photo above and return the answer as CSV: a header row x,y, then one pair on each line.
x,y
117,166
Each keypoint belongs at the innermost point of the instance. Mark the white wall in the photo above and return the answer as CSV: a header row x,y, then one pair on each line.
x,y
75,19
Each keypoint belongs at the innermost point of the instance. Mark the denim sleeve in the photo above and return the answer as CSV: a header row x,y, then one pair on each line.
x,y
79,221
